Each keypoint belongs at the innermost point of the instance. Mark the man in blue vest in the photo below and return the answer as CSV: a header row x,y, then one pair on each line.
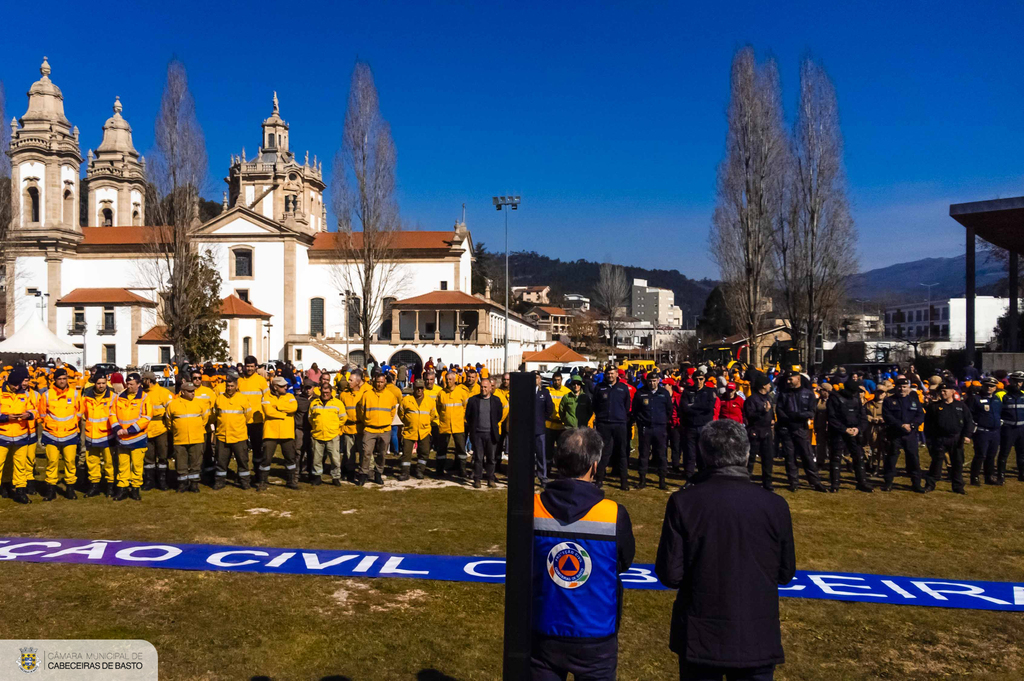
x,y
581,542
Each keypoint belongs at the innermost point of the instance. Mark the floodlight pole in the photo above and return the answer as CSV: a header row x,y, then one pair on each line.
x,y
506,202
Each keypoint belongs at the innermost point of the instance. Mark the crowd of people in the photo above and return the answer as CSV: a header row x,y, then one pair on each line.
x,y
119,435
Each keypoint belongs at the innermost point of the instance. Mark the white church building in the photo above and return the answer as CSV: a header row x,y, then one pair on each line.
x,y
283,289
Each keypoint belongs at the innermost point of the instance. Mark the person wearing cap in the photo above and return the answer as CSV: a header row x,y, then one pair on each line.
x,y
18,414
949,425
59,408
759,416
394,444
279,407
986,410
154,470
128,421
97,405
819,424
651,411
794,410
303,428
117,382
418,413
698,410
875,441
253,387
483,417
186,419
729,405
327,416
612,401
204,393
575,408
230,415
903,414
846,418
451,415
352,431
376,411
1011,434
553,427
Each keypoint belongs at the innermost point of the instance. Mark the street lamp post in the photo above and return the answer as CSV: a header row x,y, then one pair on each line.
x,y
508,202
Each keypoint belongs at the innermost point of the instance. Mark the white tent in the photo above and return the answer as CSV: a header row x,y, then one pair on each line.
x,y
33,338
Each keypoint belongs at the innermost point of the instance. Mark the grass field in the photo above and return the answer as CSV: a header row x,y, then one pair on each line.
x,y
209,625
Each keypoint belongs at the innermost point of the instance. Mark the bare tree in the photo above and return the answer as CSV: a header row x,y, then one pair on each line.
x,y
7,193
751,180
185,278
822,234
611,293
363,195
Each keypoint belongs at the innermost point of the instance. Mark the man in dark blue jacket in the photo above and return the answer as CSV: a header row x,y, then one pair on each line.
x,y
902,414
697,406
845,422
986,410
652,414
759,416
794,411
1011,435
543,408
611,420
578,534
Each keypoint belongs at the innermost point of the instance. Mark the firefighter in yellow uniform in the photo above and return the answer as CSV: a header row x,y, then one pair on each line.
x,y
554,427
59,409
451,419
327,416
502,394
254,387
97,405
154,471
418,413
279,407
352,431
432,389
129,421
231,412
376,411
186,418
18,412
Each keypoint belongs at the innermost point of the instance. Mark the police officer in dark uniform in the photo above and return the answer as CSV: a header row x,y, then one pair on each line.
x,y
949,425
902,414
1011,435
986,410
652,413
611,420
759,414
794,409
697,406
846,419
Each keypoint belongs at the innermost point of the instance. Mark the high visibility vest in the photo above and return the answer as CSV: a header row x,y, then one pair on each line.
x,y
254,388
96,411
186,419
132,413
327,418
502,395
206,396
555,423
159,397
279,416
416,417
350,398
232,414
17,433
451,410
59,412
377,410
432,393
575,572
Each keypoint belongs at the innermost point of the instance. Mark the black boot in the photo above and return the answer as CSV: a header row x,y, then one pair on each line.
x,y
439,467
243,482
182,486
134,495
818,487
865,487
219,482
378,479
418,472
887,487
108,488
30,486
193,486
316,481
19,496
360,479
94,490
120,494
69,492
147,480
975,481
161,479
643,481
461,468
662,483
293,480
48,491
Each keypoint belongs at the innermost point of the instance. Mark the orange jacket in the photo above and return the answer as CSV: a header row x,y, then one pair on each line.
x,y
131,413
60,412
97,409
17,433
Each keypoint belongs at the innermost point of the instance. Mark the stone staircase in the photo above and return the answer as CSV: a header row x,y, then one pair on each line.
x,y
323,347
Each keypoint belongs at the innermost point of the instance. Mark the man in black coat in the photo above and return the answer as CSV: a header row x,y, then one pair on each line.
x,y
846,420
652,414
483,415
697,409
949,425
902,414
611,402
543,408
759,414
726,545
794,411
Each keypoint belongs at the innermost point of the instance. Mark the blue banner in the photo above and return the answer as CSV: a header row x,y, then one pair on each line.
x,y
836,586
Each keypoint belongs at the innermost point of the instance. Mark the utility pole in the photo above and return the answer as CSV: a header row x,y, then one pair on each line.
x,y
507,202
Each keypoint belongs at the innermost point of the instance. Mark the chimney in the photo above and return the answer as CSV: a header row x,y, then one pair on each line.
x,y
487,288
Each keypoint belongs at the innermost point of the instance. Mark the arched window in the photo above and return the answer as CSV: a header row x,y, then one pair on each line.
x,y
136,218
108,217
355,307
32,204
316,316
69,207
246,346
270,140
384,333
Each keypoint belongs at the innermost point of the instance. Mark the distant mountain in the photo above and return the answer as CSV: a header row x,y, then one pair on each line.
x,y
902,282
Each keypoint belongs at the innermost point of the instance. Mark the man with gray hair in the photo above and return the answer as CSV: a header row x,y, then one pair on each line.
x,y
581,543
726,545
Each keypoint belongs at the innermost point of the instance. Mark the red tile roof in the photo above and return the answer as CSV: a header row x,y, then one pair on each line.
x,y
233,306
445,298
552,310
158,334
120,236
104,296
556,352
404,240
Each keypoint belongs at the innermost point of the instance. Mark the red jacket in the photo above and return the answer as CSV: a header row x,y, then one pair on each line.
x,y
729,409
677,395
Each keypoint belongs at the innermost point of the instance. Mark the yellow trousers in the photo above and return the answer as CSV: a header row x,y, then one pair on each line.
x,y
54,454
23,460
94,458
129,466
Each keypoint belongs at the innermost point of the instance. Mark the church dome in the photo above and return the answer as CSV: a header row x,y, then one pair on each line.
x,y
45,102
117,134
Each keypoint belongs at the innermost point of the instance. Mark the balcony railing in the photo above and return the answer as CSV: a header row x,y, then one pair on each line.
x,y
76,329
106,329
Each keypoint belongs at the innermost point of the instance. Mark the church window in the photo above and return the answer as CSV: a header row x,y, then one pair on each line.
x,y
108,217
270,141
243,294
242,265
247,346
32,203
316,316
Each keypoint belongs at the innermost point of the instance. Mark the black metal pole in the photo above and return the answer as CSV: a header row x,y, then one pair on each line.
x,y
1013,284
519,532
970,295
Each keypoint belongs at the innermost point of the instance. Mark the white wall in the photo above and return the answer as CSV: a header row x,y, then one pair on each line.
x,y
107,194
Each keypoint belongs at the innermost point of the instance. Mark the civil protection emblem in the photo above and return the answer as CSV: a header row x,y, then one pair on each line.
x,y
28,662
569,565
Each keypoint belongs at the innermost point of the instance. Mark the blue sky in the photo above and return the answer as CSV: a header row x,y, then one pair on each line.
x,y
609,119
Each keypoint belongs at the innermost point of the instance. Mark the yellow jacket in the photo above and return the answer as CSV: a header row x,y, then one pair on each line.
x,y
159,398
377,410
186,419
232,415
417,416
451,410
59,412
555,423
327,418
96,411
433,393
207,396
254,388
17,433
502,395
475,390
279,416
131,413
350,398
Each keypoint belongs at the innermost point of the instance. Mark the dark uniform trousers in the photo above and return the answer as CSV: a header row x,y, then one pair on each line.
x,y
483,455
255,439
187,461
839,444
700,672
553,659
675,439
1011,437
653,441
616,443
422,452
442,449
986,448
691,438
225,452
941,445
909,444
287,452
304,450
798,442
762,446
156,454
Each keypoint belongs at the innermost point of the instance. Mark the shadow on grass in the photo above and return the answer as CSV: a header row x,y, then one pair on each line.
x,y
422,675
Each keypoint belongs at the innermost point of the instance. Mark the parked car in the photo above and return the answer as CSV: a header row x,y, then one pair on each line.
x,y
565,371
105,368
158,369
